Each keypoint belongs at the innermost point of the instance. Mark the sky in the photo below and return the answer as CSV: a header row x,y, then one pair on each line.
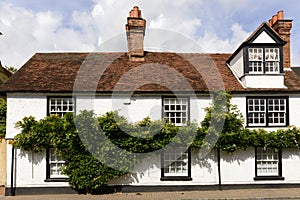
x,y
31,26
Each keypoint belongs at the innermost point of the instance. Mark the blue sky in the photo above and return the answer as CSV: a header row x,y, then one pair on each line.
x,y
62,25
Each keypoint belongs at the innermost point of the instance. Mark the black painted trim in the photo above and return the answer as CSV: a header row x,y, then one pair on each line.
x,y
47,164
246,61
169,188
268,178
41,190
48,178
270,32
56,180
287,119
176,178
264,178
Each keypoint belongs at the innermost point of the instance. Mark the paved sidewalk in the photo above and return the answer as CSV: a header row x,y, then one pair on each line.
x,y
276,193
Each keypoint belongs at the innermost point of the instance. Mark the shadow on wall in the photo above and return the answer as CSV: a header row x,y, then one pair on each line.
x,y
238,156
35,158
148,167
203,161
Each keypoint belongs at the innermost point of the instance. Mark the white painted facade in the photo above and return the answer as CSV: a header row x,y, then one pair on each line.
x,y
237,64
236,168
264,38
269,81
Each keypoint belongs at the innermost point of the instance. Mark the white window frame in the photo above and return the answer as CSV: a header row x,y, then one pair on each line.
x,y
272,60
60,105
267,162
55,164
176,162
256,112
176,110
264,60
255,60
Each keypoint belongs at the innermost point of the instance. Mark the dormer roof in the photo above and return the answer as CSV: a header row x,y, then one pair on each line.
x,y
265,29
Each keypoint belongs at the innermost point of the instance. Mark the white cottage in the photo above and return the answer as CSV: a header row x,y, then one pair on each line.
x,y
175,86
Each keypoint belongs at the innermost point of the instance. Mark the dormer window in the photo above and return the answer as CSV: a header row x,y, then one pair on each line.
x,y
264,60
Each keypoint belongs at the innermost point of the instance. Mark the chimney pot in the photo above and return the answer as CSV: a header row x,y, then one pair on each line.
x,y
136,12
274,19
270,22
280,15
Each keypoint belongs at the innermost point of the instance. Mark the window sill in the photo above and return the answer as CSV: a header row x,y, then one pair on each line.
x,y
176,178
56,180
264,74
258,126
268,178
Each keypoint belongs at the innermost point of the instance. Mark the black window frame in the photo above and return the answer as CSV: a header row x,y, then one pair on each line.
x,y
267,111
48,175
177,178
263,46
271,177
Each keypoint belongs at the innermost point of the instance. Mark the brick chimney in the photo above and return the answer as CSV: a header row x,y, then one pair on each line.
x,y
135,30
283,28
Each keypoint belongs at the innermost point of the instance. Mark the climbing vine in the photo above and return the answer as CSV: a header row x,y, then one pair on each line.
x,y
2,118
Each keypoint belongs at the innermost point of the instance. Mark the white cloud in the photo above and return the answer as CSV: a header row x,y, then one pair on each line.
x,y
211,42
25,33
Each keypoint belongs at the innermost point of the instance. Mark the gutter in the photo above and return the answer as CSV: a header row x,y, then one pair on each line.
x,y
219,168
12,188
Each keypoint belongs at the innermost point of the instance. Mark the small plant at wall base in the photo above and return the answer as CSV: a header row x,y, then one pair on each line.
x,y
2,118
87,174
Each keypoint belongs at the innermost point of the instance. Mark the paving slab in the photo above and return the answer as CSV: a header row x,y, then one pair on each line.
x,y
276,193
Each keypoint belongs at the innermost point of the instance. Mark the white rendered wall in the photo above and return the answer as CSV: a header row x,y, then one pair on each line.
x,y
30,169
290,165
263,81
23,105
203,172
138,107
238,167
237,64
264,38
294,110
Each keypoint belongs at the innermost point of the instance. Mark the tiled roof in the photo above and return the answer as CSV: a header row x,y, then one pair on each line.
x,y
160,72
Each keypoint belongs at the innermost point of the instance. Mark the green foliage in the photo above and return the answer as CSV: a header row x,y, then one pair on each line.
x,y
80,142
3,108
11,69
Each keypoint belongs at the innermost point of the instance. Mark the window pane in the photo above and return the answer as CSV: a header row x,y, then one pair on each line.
x,y
176,110
267,162
176,162
255,60
56,163
256,112
60,106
